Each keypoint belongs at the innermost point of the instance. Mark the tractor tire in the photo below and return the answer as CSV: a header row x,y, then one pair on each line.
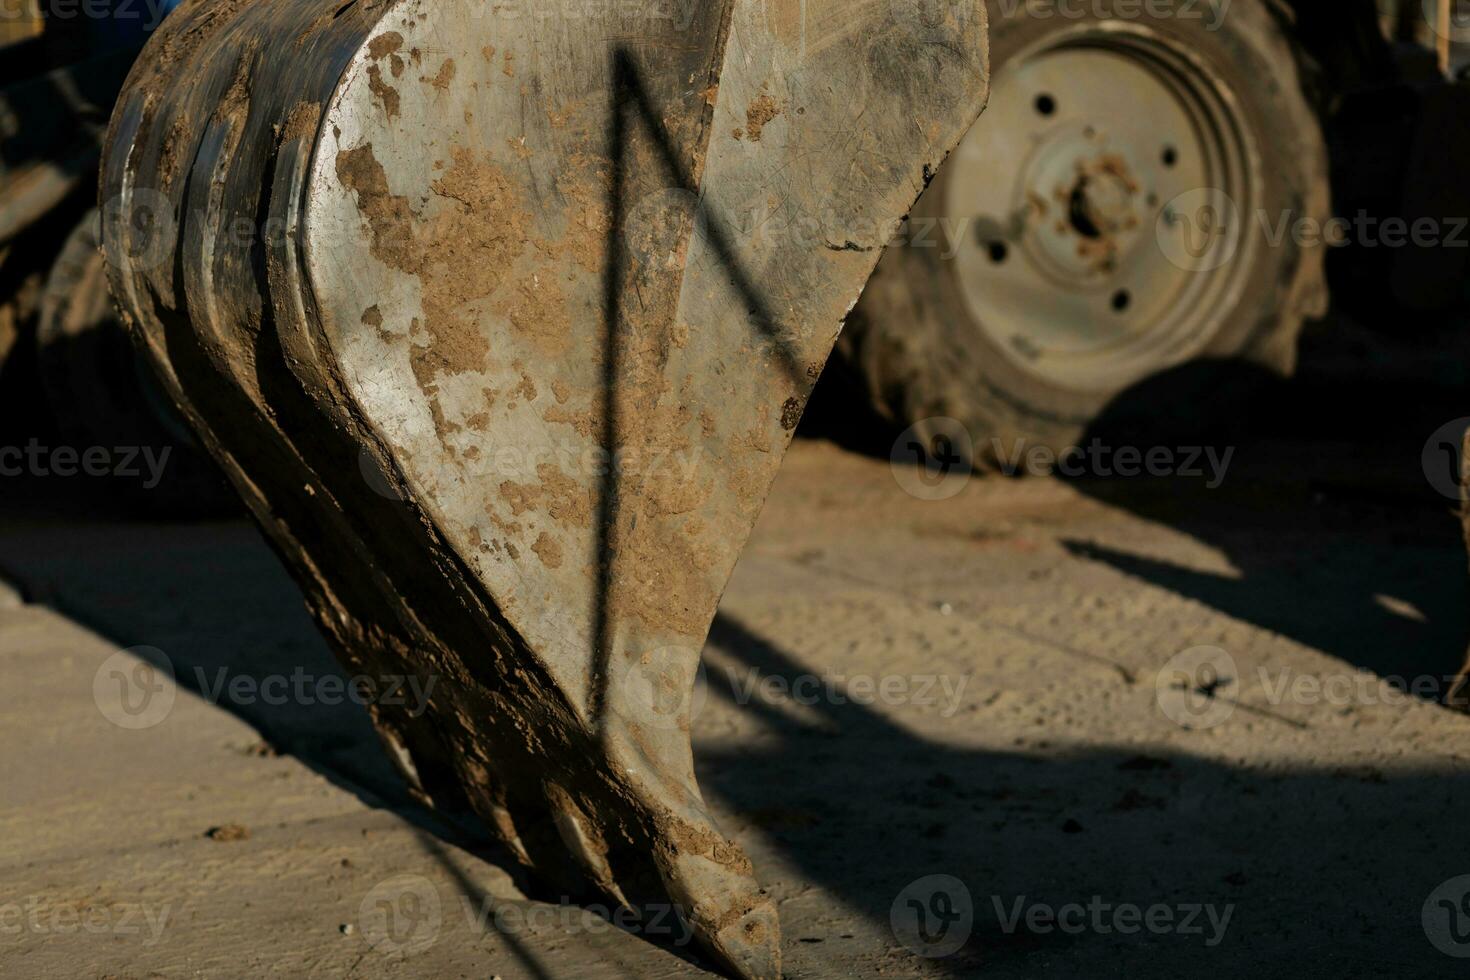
x,y
102,394
1126,205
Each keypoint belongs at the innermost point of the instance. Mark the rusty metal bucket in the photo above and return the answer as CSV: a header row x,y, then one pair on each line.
x,y
500,319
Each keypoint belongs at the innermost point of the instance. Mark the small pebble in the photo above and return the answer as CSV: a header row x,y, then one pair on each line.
x,y
347,928
228,832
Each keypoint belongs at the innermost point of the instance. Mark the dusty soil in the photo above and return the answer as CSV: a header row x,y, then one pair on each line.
x,y
1021,744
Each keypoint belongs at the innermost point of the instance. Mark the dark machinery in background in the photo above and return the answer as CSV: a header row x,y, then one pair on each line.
x,y
60,341
1148,191
1072,247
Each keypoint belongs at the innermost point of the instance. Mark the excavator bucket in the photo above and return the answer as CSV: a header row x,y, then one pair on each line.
x,y
500,318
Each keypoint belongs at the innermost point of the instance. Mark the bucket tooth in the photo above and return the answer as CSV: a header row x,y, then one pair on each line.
x,y
501,326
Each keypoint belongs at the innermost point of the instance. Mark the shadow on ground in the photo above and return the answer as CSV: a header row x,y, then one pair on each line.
x,y
1327,872
1339,538
1338,535
1338,541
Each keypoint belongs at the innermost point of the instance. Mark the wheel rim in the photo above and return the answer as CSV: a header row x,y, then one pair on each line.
x,y
1110,246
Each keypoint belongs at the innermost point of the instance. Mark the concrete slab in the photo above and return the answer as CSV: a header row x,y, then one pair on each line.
x,y
968,688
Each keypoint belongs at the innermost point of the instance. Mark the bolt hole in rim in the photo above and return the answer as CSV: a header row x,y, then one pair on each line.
x,y
1067,275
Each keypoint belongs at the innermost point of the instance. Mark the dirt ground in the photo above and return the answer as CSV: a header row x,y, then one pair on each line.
x,y
984,688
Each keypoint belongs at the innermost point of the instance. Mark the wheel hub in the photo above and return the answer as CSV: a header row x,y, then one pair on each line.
x,y
1081,207
1087,138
